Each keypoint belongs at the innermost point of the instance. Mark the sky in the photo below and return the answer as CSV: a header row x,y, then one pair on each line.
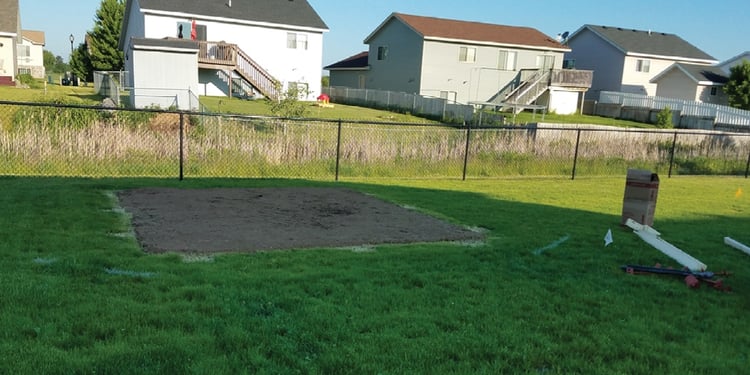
x,y
717,27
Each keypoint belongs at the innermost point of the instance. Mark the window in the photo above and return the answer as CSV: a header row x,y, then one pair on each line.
x,y
507,60
714,91
300,88
296,41
467,54
24,51
24,71
545,62
643,66
569,64
382,53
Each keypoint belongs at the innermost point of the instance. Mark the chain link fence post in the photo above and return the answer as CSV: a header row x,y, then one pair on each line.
x,y
575,154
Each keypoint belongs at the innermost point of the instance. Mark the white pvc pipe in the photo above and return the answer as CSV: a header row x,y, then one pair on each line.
x,y
652,237
737,245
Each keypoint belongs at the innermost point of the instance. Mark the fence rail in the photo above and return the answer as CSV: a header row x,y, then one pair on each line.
x,y
64,140
416,104
721,116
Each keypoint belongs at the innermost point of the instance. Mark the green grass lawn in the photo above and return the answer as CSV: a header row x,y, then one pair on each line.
x,y
542,295
80,94
85,95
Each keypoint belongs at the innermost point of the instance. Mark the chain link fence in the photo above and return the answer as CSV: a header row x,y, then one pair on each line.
x,y
64,140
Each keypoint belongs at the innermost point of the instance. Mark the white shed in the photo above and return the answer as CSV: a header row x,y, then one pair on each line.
x,y
164,73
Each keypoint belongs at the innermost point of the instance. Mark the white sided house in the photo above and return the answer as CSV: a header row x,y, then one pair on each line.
x,y
626,60
464,62
727,65
246,48
31,53
10,36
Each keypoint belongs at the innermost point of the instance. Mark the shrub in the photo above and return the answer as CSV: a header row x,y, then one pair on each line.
x,y
664,118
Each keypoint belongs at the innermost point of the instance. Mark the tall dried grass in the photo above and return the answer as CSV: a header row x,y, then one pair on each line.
x,y
223,146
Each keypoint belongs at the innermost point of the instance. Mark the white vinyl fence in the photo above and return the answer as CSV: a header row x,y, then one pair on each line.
x,y
722,115
415,104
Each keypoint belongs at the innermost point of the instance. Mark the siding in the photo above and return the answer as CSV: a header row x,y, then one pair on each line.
x,y
592,53
676,84
7,56
400,71
160,78
265,45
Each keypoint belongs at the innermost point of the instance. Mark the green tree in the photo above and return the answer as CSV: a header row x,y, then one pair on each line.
x,y
48,59
104,39
80,63
738,86
60,65
289,103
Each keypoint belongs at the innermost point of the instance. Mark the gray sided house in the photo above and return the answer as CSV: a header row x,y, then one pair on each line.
x,y
245,48
350,72
461,61
626,60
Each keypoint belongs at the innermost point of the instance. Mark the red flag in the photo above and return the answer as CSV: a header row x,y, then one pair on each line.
x,y
193,31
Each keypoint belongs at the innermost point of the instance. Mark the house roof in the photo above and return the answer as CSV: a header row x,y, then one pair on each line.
x,y
34,36
473,32
648,42
356,62
9,21
172,44
735,60
700,74
292,12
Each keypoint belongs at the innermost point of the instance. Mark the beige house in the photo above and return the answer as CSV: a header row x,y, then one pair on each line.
x,y
627,60
692,82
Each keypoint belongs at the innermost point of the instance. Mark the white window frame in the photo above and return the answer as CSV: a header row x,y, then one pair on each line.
x,y
467,54
545,62
643,65
507,60
296,41
23,50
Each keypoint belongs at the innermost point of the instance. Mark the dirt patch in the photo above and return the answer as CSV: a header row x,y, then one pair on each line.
x,y
229,219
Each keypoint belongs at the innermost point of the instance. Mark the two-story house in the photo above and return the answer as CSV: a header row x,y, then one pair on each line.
x,y
626,60
249,48
461,61
10,36
31,53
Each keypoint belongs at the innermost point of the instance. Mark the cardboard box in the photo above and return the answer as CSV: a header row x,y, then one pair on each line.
x,y
639,201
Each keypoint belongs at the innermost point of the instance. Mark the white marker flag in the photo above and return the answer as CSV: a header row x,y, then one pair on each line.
x,y
608,238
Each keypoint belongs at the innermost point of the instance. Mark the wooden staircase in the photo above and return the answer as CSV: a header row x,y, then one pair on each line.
x,y
225,56
529,90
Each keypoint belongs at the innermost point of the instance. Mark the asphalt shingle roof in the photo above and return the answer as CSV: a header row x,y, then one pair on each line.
x,y
35,36
282,12
352,62
649,42
430,27
9,18
705,73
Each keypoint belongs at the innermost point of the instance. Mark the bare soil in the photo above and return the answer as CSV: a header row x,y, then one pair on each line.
x,y
262,219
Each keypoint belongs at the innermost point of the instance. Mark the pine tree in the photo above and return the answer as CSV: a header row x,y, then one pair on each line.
x,y
738,87
104,40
